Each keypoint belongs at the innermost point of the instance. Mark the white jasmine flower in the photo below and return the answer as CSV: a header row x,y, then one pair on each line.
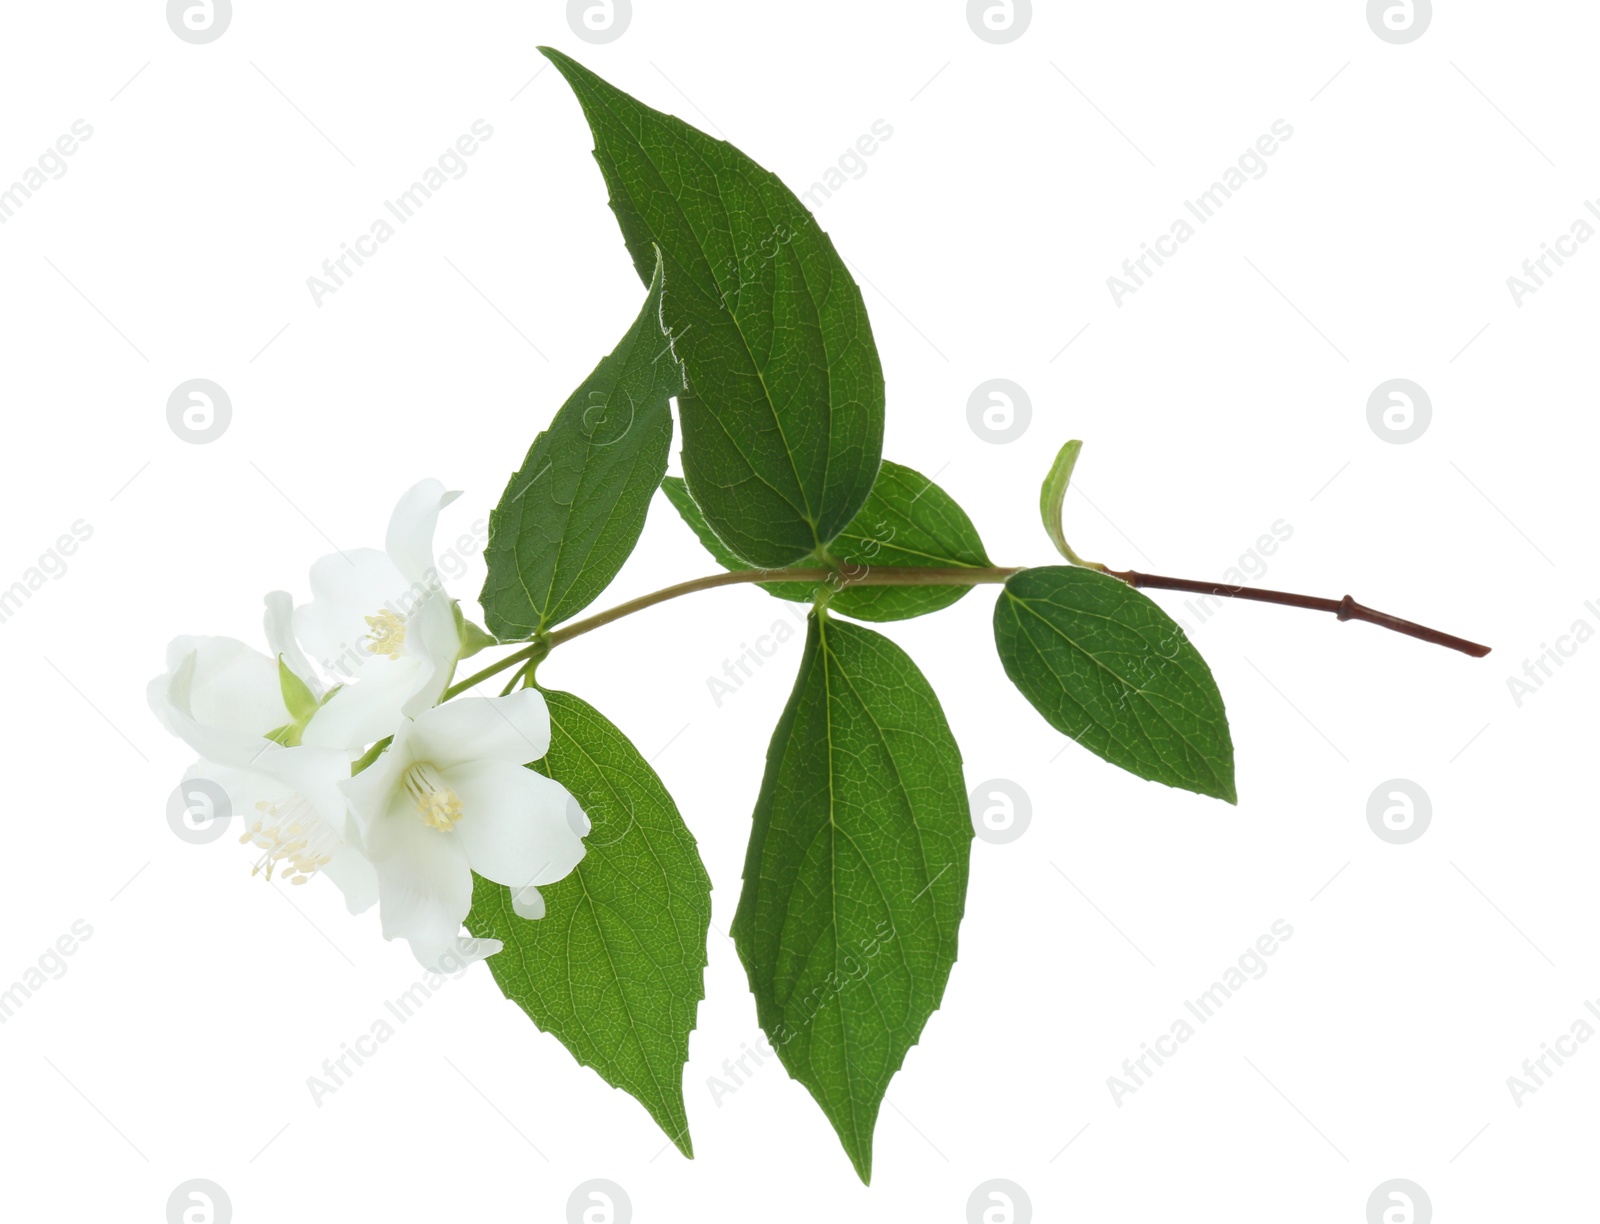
x,y
381,625
449,797
220,697
223,697
293,811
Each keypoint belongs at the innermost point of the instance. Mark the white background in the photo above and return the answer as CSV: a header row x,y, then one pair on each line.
x,y
1228,393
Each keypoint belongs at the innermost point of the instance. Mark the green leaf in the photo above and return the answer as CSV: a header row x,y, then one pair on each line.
x,y
856,875
678,494
1105,665
783,415
907,521
573,512
1053,492
614,968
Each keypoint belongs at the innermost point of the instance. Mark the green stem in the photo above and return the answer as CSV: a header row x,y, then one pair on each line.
x,y
898,576
1346,609
1066,551
535,650
371,755
895,576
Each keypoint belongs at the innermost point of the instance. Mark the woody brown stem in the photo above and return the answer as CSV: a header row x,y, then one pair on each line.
x,y
1345,609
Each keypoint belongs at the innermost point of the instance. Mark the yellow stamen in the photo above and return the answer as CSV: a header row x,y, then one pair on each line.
x,y
290,834
439,805
388,634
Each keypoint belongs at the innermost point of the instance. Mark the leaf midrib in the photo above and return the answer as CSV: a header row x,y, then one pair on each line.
x,y
806,512
1205,757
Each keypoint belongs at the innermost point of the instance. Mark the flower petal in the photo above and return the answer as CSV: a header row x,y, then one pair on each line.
x,y
355,877
433,641
221,682
366,710
317,776
513,729
346,588
424,880
276,781
431,632
281,641
374,790
410,538
246,789
528,903
455,956
514,823
219,696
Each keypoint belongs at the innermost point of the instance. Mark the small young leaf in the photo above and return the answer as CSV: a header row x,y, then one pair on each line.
x,y
856,875
1105,665
783,416
614,968
907,521
572,514
1053,492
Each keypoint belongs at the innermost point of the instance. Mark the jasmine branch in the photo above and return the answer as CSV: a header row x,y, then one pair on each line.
x,y
1345,609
